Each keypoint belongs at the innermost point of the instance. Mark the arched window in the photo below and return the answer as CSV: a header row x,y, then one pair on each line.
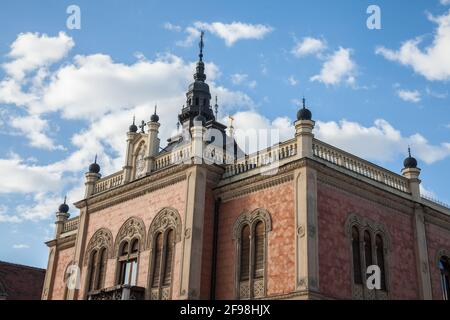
x,y
170,243
444,267
164,233
98,250
157,258
380,260
128,261
367,249
357,275
258,272
92,270
245,254
369,243
250,232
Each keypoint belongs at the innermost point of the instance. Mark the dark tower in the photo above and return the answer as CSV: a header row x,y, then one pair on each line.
x,y
198,98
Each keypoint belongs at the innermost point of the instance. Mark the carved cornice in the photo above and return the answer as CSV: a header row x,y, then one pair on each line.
x,y
62,243
258,181
134,189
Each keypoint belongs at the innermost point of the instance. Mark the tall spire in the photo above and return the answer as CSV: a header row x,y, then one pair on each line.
x,y
200,69
201,45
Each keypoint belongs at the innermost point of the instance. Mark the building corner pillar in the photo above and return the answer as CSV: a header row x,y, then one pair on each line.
x,y
191,262
421,249
306,222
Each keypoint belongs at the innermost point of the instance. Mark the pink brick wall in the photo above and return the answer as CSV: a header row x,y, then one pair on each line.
x,y
437,239
279,201
334,206
207,245
145,207
64,257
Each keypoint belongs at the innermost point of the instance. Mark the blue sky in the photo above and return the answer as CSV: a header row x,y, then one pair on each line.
x,y
66,95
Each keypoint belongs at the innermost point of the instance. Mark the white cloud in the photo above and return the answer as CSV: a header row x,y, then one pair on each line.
x,y
445,2
308,46
193,34
248,126
384,140
235,31
292,81
434,94
242,78
21,246
20,177
409,96
33,128
4,217
31,51
337,68
433,62
172,27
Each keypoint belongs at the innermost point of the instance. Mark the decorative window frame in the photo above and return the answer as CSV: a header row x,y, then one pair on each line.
x,y
251,219
102,238
133,228
165,220
374,228
442,252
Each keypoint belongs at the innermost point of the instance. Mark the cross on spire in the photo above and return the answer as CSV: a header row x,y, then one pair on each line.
x,y
142,126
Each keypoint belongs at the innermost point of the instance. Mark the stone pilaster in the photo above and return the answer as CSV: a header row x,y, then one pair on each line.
x,y
152,144
61,218
304,135
306,243
80,244
421,248
412,174
91,178
197,132
50,272
129,157
191,263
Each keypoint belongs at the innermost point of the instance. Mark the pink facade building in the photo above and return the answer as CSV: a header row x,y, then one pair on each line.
x,y
202,219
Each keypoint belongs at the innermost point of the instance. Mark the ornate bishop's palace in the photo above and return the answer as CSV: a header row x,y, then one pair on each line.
x,y
200,219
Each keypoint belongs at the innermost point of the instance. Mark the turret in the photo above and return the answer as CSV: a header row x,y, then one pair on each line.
x,y
153,140
61,217
303,131
91,177
412,173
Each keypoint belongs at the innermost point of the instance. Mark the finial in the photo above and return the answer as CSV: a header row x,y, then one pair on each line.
x,y
95,159
304,102
156,106
231,125
65,199
178,125
134,119
201,45
409,151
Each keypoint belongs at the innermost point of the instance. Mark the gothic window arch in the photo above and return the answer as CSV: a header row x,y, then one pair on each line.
x,y
98,251
444,272
250,233
164,233
369,243
129,243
